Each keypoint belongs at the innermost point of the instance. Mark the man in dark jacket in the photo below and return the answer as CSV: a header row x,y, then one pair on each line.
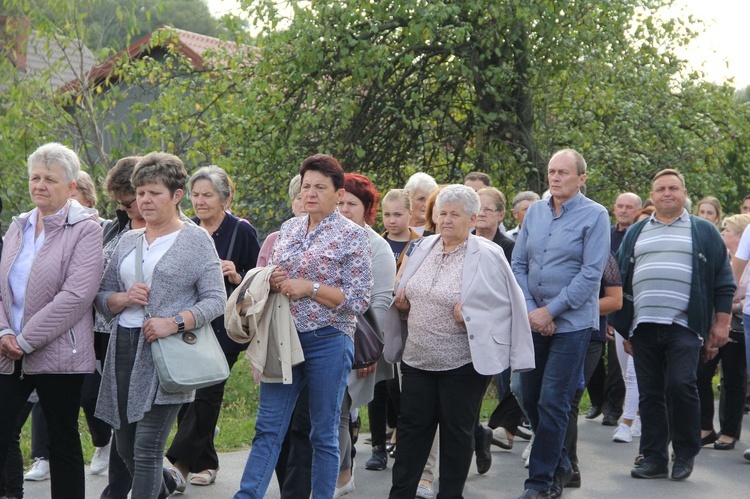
x,y
678,289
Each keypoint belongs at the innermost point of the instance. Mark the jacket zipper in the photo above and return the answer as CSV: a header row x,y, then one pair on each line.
x,y
72,337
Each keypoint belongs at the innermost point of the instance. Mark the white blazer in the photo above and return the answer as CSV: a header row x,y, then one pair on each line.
x,y
494,309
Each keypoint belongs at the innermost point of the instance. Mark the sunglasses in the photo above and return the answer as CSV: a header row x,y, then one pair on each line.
x,y
128,204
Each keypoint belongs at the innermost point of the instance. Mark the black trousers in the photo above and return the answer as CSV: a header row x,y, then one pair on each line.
x,y
666,362
59,396
508,413
386,401
294,469
193,444
733,372
451,399
11,481
606,386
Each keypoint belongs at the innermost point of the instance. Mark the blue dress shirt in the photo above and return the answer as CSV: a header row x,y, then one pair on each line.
x,y
559,260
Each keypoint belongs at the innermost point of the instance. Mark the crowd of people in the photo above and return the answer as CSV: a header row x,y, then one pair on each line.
x,y
640,313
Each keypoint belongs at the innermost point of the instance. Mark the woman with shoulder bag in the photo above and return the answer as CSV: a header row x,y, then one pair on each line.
x,y
182,288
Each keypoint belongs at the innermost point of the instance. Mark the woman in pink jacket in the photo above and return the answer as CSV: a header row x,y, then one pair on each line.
x,y
49,275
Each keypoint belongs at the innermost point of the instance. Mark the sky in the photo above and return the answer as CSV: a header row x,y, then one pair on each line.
x,y
717,52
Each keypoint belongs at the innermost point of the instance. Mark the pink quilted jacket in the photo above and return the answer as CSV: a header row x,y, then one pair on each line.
x,y
64,279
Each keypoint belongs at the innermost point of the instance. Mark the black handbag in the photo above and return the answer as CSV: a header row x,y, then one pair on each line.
x,y
368,341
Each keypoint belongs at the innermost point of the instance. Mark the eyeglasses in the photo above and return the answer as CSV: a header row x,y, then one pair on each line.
x,y
128,204
487,211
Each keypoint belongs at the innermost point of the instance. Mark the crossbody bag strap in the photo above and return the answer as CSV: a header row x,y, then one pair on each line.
x,y
231,241
139,269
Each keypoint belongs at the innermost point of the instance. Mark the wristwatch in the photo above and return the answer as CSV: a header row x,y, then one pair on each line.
x,y
180,321
316,288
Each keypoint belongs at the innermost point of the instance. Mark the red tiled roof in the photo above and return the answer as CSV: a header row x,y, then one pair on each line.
x,y
193,46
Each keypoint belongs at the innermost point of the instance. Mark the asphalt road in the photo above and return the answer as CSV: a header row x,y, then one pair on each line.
x,y
605,468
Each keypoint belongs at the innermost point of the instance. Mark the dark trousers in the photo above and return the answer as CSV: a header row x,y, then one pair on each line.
x,y
384,404
295,471
39,441
193,444
59,396
666,361
11,481
733,372
593,354
508,413
606,387
101,432
451,399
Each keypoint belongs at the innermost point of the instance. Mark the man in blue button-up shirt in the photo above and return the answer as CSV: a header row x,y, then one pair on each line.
x,y
558,260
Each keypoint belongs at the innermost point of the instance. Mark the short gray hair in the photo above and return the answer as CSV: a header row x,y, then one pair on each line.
x,y
462,194
524,196
218,178
295,187
577,159
420,181
56,154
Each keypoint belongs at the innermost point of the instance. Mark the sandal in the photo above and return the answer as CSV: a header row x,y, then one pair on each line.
x,y
205,477
179,479
354,429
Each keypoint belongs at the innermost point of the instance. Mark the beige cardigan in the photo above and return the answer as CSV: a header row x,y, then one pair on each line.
x,y
253,314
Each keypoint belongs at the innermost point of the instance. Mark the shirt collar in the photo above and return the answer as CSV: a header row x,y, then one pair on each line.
x,y
567,205
684,217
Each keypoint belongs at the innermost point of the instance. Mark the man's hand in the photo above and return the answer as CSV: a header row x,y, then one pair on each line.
x,y
718,335
539,319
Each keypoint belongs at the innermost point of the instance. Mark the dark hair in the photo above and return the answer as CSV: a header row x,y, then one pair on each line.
x,y
325,164
362,187
160,167
482,177
118,183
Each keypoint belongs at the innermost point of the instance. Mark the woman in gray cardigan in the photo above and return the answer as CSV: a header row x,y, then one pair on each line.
x,y
183,288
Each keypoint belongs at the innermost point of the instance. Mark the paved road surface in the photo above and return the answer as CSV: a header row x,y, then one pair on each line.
x,y
605,468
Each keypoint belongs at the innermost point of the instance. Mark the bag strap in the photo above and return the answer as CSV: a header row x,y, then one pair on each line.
x,y
139,269
231,241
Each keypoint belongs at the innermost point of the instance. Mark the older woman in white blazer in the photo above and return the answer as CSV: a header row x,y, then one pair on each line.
x,y
466,319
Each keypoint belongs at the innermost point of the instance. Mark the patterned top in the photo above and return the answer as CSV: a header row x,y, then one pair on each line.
x,y
336,253
102,325
663,272
436,342
610,279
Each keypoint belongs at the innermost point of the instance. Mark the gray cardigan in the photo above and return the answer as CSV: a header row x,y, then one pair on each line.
x,y
187,277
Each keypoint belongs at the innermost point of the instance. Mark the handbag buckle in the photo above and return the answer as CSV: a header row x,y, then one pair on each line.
x,y
189,337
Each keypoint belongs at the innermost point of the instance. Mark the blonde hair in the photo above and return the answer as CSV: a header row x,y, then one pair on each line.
x,y
401,195
738,223
713,202
86,187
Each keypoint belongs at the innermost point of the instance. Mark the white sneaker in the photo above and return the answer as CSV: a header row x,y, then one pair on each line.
x,y
39,471
100,461
623,434
425,492
527,451
635,430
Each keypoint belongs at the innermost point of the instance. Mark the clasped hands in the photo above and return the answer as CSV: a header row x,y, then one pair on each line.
x,y
541,320
294,289
9,347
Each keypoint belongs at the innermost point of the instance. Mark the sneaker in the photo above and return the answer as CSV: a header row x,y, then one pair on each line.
x,y
527,451
635,430
100,461
746,454
39,471
379,459
524,432
623,434
424,492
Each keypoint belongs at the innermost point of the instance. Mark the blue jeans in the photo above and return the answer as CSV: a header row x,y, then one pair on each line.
x,y
547,392
666,362
329,354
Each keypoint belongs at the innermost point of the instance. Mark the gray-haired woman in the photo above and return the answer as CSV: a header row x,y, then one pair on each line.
x,y
192,451
183,288
465,316
49,274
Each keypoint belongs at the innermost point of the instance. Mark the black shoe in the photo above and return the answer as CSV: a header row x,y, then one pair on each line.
x,y
483,450
721,445
169,481
709,439
575,481
682,468
594,412
559,480
379,459
650,470
610,421
534,494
